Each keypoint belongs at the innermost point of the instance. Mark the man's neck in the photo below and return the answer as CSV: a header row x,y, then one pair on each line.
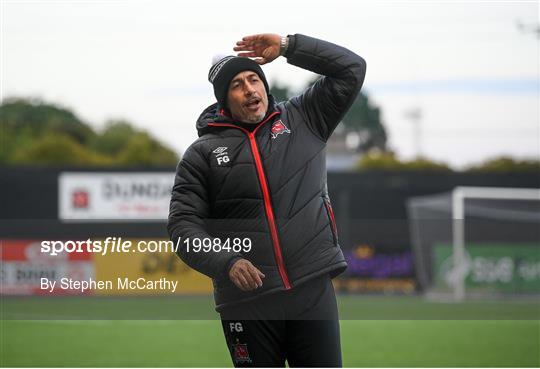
x,y
249,126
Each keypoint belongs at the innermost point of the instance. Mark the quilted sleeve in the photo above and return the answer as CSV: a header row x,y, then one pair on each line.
x,y
189,214
325,103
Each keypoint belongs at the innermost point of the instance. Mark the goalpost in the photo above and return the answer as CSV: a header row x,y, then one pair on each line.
x,y
478,242
459,195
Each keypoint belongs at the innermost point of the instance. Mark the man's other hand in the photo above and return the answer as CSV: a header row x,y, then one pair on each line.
x,y
263,47
245,276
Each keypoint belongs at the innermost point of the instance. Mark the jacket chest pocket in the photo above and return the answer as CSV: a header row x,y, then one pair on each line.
x,y
331,218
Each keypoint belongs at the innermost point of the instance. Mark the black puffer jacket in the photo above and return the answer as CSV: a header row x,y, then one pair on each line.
x,y
270,184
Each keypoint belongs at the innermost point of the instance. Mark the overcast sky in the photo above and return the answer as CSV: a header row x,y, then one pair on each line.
x,y
465,64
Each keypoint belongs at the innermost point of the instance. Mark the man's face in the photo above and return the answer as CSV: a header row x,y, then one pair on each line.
x,y
246,98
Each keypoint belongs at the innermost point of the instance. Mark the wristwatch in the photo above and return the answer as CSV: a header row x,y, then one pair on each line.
x,y
283,45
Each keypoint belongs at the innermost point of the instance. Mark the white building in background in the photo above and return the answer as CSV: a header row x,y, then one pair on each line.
x,y
341,150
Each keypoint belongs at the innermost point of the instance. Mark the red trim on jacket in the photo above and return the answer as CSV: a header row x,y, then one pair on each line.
x,y
332,218
266,195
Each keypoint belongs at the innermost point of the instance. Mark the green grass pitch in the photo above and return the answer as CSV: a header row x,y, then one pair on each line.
x,y
200,343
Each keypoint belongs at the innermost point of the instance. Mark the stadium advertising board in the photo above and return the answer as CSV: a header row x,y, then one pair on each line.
x,y
88,196
24,266
505,268
371,269
148,267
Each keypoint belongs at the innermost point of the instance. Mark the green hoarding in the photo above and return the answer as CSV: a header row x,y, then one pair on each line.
x,y
491,267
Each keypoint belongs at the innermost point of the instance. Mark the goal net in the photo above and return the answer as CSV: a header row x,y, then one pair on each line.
x,y
478,242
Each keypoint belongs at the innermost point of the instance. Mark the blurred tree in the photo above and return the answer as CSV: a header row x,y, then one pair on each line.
x,y
362,118
114,137
58,149
506,164
35,132
280,92
388,161
365,118
144,150
33,117
25,120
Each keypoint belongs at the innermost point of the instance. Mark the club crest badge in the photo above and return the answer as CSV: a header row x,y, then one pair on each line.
x,y
240,353
279,128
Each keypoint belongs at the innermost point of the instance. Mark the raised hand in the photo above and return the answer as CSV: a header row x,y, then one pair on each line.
x,y
263,47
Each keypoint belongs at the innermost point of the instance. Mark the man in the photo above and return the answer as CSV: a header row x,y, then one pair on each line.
x,y
257,174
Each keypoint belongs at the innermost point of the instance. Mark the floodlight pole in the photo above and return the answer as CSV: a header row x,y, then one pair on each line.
x,y
415,116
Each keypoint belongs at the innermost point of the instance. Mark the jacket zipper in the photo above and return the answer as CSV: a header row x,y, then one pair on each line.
x,y
269,211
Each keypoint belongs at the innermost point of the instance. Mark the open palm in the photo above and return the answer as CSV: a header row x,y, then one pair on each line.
x,y
263,47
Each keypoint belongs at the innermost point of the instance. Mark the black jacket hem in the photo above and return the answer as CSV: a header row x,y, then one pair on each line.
x,y
333,270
